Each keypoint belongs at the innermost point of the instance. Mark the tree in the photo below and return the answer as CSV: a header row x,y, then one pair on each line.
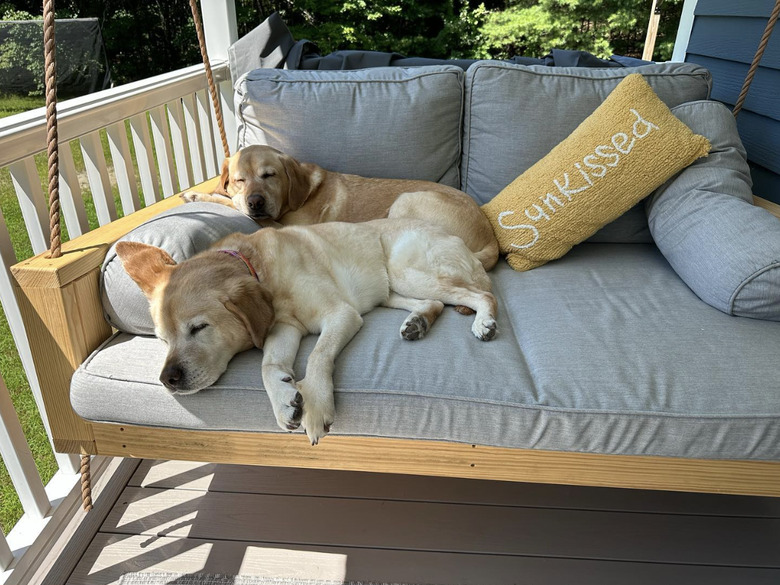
x,y
602,27
147,38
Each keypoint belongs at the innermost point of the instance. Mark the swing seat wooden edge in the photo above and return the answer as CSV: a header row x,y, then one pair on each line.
x,y
61,308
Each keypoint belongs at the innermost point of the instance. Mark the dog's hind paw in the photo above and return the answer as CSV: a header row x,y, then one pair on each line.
x,y
484,329
415,327
189,196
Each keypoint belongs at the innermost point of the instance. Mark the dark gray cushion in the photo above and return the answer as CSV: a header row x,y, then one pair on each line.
x,y
516,114
182,232
704,222
391,122
604,351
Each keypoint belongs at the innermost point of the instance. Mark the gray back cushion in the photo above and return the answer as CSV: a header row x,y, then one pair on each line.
x,y
182,232
515,115
703,221
391,122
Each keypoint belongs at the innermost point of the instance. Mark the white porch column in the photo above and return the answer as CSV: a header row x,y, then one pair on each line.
x,y
221,31
219,26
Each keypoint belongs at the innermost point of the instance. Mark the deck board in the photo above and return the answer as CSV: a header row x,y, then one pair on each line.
x,y
353,484
113,555
195,517
445,527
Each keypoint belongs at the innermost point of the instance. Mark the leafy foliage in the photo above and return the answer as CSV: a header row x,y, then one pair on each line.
x,y
602,27
147,38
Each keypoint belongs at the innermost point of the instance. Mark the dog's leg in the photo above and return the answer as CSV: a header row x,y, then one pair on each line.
x,y
473,297
193,196
279,351
319,409
423,314
483,302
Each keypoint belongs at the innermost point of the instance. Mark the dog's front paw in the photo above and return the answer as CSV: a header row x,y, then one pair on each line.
x,y
316,422
484,329
289,406
318,415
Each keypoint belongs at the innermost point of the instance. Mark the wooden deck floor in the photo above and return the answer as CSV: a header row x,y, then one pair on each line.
x,y
191,517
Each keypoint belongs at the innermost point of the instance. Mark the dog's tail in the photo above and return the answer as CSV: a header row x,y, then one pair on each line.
x,y
488,255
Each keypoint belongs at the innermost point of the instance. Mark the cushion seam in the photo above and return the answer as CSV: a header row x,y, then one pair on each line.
x,y
513,67
747,281
635,414
357,81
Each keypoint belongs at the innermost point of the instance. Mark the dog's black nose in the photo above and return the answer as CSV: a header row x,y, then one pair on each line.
x,y
171,375
255,202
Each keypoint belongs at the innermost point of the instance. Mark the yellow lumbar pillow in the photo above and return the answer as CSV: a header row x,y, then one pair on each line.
x,y
623,151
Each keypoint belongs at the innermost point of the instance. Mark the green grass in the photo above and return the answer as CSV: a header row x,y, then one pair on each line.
x,y
14,104
10,364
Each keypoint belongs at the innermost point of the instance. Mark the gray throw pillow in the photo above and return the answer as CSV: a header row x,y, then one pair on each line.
x,y
725,249
390,122
182,232
515,115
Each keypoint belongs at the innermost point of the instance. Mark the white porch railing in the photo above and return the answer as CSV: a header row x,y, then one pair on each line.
x,y
162,138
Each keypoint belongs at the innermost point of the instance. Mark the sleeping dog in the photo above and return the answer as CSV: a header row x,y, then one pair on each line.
x,y
271,288
266,184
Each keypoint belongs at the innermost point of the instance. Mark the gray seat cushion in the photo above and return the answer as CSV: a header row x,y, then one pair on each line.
x,y
390,122
515,114
705,224
604,351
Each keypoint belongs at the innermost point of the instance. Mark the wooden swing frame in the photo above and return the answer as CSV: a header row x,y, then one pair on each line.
x,y
59,297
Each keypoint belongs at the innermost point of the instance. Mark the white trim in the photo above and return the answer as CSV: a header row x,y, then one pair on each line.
x,y
24,134
684,31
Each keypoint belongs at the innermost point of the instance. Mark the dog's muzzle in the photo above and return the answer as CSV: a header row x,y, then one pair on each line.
x,y
172,376
256,206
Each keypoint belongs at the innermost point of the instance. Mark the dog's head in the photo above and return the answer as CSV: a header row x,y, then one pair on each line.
x,y
206,309
264,183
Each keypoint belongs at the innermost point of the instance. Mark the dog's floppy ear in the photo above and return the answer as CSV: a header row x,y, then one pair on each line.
x,y
251,303
147,265
224,179
298,182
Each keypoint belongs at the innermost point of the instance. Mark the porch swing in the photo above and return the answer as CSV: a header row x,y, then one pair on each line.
x,y
60,301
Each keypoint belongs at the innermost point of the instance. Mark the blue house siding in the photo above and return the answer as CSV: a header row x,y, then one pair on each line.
x,y
723,39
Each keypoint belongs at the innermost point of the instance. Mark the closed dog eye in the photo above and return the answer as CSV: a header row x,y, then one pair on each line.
x,y
267,175
195,328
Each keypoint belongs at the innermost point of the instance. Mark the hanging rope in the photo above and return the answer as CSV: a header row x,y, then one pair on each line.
x,y
86,483
209,76
51,128
770,25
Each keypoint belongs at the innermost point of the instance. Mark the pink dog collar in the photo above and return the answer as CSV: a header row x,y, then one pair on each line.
x,y
244,259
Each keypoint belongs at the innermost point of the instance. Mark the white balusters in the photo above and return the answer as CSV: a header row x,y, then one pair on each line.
x,y
194,139
162,145
19,461
32,202
123,167
181,149
97,174
213,160
144,154
71,201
